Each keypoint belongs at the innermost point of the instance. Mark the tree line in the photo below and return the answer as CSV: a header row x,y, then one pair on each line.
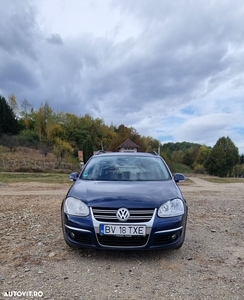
x,y
64,134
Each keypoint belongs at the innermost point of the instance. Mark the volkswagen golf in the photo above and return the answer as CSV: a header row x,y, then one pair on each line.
x,y
125,201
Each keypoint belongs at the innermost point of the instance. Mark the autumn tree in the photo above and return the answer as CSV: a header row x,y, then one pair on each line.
x,y
176,156
45,123
13,104
165,157
62,148
74,129
122,133
203,154
26,120
95,129
222,158
147,144
188,159
108,136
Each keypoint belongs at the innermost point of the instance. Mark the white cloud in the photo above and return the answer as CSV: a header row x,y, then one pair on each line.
x,y
73,19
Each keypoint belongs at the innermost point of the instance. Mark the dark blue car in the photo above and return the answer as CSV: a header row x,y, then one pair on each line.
x,y
125,201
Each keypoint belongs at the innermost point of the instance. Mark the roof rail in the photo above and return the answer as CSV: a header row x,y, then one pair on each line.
x,y
100,152
153,152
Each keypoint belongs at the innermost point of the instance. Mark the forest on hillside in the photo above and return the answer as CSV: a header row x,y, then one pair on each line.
x,y
63,134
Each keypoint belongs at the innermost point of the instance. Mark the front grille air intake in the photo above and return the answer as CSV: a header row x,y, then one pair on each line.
x,y
136,215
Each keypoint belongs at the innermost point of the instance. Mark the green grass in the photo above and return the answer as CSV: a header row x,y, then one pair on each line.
x,y
11,177
223,180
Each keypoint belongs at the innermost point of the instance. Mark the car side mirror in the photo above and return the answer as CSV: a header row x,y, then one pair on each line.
x,y
74,176
179,177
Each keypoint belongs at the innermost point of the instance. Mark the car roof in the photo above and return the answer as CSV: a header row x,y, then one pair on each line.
x,y
146,154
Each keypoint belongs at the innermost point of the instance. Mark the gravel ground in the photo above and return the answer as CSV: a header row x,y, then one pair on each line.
x,y
35,259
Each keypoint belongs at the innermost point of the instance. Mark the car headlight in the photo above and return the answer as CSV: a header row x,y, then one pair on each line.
x,y
75,207
171,208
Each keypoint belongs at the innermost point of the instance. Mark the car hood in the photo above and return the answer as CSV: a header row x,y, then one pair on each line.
x,y
131,194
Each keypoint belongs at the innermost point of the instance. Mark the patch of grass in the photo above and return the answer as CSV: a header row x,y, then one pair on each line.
x,y
11,177
223,180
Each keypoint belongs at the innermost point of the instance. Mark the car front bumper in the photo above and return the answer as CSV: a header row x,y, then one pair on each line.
x,y
161,233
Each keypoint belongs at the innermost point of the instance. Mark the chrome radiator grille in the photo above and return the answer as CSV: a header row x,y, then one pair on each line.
x,y
109,215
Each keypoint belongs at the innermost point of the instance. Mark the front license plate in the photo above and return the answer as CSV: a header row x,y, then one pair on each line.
x,y
131,230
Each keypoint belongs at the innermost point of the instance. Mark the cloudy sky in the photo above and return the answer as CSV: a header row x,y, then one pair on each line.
x,y
173,70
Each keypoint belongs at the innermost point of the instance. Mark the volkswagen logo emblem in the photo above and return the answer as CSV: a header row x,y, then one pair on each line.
x,y
123,214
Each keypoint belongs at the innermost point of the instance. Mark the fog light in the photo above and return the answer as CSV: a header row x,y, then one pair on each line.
x,y
174,237
72,235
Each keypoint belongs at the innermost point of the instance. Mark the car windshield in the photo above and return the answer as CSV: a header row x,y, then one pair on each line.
x,y
125,168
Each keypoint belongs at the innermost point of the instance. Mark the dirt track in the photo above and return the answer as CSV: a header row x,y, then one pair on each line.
x,y
34,256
